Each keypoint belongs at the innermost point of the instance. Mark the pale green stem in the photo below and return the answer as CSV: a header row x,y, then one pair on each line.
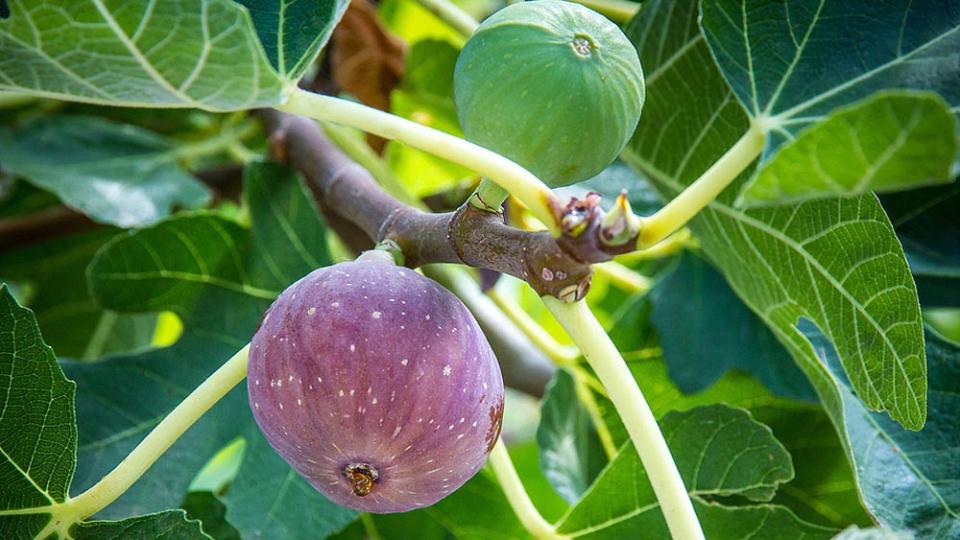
x,y
488,196
370,527
518,181
238,151
589,402
703,191
559,353
175,424
221,141
620,11
517,496
624,277
637,417
450,13
675,243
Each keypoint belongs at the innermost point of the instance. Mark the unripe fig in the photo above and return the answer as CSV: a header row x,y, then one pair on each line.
x,y
375,384
551,85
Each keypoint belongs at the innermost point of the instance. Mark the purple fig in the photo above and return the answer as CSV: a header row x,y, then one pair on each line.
x,y
375,384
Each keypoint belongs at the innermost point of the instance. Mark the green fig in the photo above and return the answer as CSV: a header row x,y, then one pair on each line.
x,y
551,85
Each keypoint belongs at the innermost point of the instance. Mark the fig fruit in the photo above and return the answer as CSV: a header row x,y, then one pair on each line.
x,y
551,85
375,384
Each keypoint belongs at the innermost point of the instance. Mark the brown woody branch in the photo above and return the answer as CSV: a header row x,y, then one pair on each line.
x,y
470,236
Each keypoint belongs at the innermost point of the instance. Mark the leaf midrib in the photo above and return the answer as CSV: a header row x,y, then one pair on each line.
x,y
762,227
137,55
192,277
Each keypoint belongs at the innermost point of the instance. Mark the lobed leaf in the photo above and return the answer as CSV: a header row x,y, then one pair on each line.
x,y
792,62
38,444
910,480
720,451
151,53
38,432
890,141
834,261
824,490
705,331
293,31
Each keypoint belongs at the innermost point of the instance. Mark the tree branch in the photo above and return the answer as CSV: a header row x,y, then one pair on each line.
x,y
554,267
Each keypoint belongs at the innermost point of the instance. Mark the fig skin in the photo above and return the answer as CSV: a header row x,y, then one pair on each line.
x,y
376,384
551,85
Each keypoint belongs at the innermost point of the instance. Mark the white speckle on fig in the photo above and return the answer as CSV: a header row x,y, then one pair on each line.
x,y
383,462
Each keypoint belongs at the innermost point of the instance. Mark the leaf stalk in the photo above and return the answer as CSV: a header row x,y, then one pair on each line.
x,y
517,496
175,424
685,206
603,356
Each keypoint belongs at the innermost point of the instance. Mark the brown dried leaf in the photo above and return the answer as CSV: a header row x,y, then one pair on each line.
x,y
367,60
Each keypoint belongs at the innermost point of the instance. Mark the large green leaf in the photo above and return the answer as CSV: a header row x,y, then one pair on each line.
x,y
791,62
115,173
38,444
824,489
910,480
570,451
150,53
846,276
926,222
71,321
888,142
834,261
219,277
38,433
705,331
720,451
294,31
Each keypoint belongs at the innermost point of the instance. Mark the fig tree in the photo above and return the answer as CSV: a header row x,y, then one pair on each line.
x,y
375,384
552,85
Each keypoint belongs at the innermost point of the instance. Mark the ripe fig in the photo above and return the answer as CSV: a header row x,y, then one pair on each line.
x,y
552,85
375,384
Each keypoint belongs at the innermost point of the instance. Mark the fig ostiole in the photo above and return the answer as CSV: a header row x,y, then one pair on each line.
x,y
376,384
551,85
